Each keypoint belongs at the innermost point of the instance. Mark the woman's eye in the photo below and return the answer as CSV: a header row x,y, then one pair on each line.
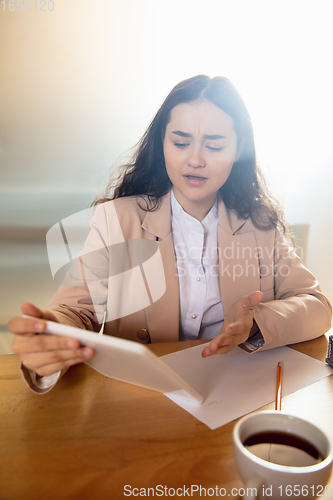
x,y
181,145
214,149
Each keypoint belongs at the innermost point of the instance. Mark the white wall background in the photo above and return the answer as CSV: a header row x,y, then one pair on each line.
x,y
79,85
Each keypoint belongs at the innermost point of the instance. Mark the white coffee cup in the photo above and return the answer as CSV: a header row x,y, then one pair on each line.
x,y
265,479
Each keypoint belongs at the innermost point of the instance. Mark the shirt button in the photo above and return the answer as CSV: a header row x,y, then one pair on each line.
x,y
143,334
193,316
198,279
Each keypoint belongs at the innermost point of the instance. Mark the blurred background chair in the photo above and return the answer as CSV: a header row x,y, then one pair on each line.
x,y
300,234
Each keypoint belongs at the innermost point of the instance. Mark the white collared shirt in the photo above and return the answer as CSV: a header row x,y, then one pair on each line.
x,y
201,311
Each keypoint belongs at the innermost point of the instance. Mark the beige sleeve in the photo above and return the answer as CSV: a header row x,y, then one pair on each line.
x,y
40,385
300,310
72,304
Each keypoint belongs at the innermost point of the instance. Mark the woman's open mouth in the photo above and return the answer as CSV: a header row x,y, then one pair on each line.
x,y
195,180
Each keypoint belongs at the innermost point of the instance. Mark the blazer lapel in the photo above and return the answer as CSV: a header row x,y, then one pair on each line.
x,y
238,259
163,315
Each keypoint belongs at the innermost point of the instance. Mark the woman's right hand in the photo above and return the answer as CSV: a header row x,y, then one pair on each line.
x,y
44,354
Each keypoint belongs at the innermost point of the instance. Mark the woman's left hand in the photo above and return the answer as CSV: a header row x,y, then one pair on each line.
x,y
237,325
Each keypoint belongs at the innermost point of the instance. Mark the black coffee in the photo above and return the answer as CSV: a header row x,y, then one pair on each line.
x,y
283,449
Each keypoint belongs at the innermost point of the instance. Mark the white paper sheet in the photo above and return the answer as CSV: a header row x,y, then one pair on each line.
x,y
237,383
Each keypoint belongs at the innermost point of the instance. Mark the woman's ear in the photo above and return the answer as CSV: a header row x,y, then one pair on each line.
x,y
240,148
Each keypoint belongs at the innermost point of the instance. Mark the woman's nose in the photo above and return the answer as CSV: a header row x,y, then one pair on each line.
x,y
196,158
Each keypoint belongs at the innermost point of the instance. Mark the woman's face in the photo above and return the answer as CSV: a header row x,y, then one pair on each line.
x,y
200,148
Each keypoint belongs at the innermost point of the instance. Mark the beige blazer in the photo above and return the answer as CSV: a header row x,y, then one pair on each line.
x,y
293,308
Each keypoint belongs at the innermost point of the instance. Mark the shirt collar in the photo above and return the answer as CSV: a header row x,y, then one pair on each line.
x,y
184,218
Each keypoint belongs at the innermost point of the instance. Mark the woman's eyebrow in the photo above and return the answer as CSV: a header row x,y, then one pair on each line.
x,y
185,134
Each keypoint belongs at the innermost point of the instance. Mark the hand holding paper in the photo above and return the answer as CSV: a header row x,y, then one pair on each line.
x,y
236,327
44,354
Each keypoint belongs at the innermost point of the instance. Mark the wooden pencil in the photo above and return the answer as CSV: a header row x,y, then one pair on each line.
x,y
278,388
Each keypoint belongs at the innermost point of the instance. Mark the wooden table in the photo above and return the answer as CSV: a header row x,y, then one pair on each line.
x,y
90,436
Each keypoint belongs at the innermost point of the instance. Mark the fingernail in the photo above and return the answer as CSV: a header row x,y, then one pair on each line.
x,y
38,327
70,344
85,353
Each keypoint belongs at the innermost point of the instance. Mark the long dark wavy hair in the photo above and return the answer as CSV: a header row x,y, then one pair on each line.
x,y
245,191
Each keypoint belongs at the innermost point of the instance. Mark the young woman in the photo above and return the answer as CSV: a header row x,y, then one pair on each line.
x,y
194,188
